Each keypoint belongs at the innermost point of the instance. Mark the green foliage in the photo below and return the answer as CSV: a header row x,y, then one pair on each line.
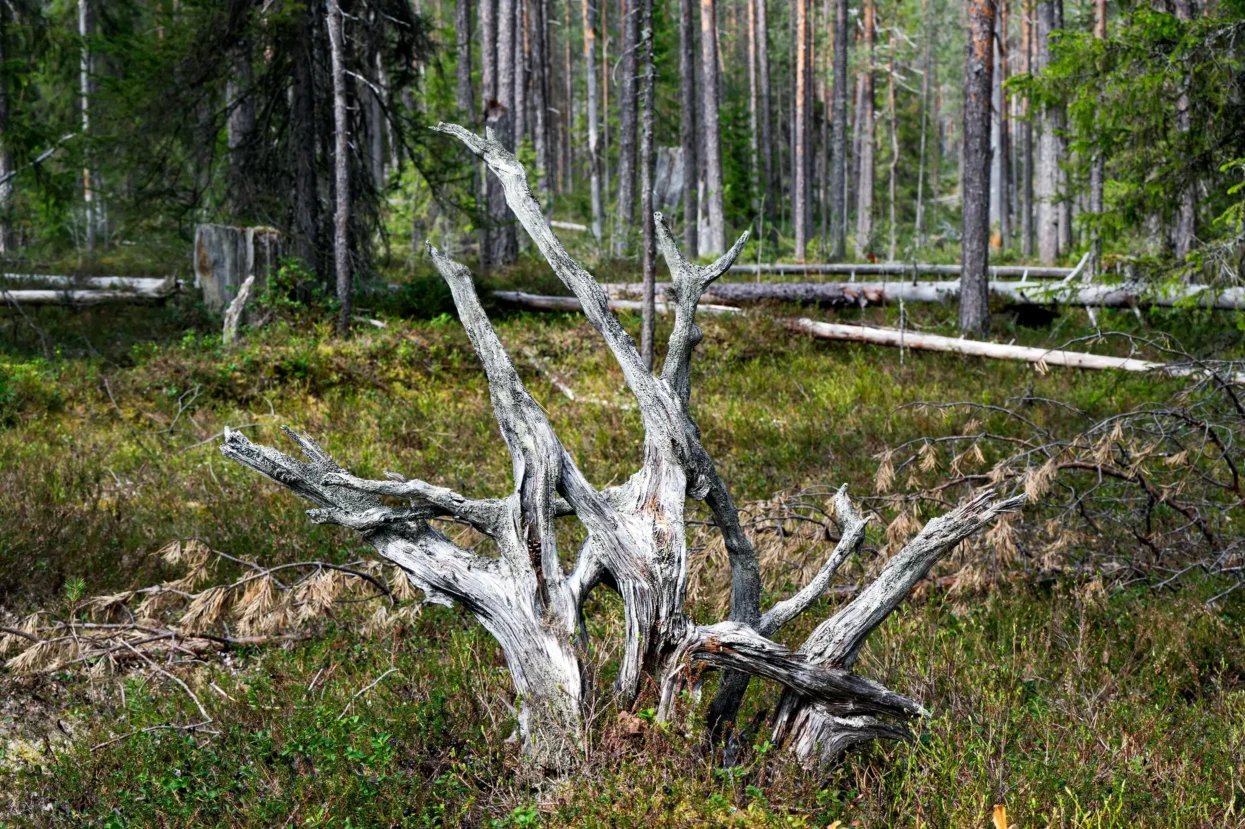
x,y
27,390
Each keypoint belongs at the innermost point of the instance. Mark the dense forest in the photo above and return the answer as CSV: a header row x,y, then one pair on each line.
x,y
840,131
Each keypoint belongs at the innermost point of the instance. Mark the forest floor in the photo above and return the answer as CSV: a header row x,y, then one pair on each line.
x,y
1068,701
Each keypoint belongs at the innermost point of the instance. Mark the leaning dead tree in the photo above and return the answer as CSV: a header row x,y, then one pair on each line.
x,y
635,541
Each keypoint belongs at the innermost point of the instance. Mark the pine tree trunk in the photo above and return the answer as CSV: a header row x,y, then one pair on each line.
x,y
689,137
522,127
240,130
303,136
647,162
1003,186
801,184
754,123
462,33
928,16
488,91
1064,202
894,160
503,240
770,185
594,160
1046,178
86,28
568,119
838,138
1186,217
865,162
1096,172
975,274
627,100
538,34
1026,136
8,240
715,244
341,165
376,123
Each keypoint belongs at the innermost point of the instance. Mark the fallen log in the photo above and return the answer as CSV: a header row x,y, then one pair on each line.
x,y
120,283
1039,356
896,337
133,293
847,294
902,269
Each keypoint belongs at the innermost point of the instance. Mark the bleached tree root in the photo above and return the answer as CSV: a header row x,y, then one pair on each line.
x,y
636,532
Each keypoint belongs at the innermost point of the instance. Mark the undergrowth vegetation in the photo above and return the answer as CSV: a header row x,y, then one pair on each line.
x,y
1069,699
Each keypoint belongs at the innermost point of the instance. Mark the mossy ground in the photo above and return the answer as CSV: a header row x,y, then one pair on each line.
x,y
1070,705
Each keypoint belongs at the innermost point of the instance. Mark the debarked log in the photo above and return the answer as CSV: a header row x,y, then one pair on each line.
x,y
847,294
133,291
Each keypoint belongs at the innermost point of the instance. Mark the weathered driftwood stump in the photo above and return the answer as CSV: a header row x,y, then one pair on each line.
x,y
636,542
225,256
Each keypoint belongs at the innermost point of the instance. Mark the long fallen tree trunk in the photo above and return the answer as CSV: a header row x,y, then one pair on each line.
x,y
122,283
1016,292
903,269
132,291
903,339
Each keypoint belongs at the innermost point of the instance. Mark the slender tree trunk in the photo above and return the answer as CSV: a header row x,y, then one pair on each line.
x,y
1064,202
303,135
488,185
1046,178
376,124
627,99
539,81
462,32
594,160
341,164
823,151
1186,218
810,104
502,235
521,126
240,130
894,161
838,148
568,79
754,123
928,9
606,180
86,28
802,188
770,185
1096,172
864,188
715,244
1003,185
1026,136
647,163
8,240
688,135
975,274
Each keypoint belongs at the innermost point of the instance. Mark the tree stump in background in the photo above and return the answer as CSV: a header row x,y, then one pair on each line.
x,y
225,256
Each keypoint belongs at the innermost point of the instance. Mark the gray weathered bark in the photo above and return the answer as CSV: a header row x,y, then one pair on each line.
x,y
866,141
801,183
594,149
86,81
1047,165
770,186
503,241
1186,214
303,137
1026,136
975,250
635,533
648,253
341,166
240,131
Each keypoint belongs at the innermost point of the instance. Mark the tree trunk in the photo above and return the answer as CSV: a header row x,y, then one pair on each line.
x,y
488,191
8,239
647,162
303,136
1046,179
341,166
928,17
502,234
979,68
894,161
594,160
754,116
688,135
539,85
86,29
568,99
1064,202
801,184
376,121
865,160
838,148
627,99
1096,172
462,33
770,185
1003,185
240,130
1026,136
1186,216
715,244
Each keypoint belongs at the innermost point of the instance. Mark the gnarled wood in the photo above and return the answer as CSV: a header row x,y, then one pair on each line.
x,y
636,533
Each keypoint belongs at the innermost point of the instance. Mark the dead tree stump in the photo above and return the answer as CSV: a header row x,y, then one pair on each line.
x,y
225,256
